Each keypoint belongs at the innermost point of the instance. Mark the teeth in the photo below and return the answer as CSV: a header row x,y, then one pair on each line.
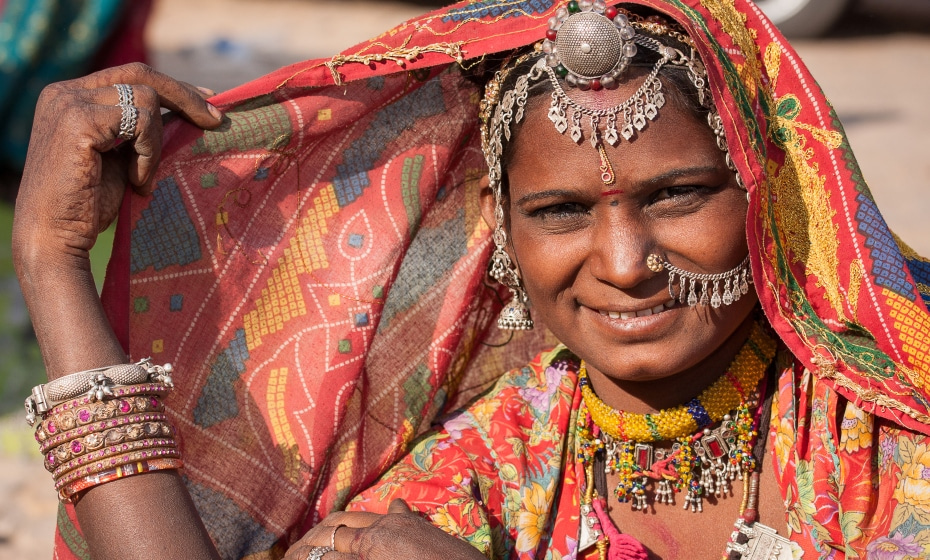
x,y
641,313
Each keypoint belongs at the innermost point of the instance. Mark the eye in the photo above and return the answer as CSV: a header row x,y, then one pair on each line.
x,y
561,211
679,194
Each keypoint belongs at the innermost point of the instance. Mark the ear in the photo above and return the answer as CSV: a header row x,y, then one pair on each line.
x,y
487,202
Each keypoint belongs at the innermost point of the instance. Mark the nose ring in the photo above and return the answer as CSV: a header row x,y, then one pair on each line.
x,y
655,263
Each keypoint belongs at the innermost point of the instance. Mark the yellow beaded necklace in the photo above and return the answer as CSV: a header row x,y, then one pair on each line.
x,y
732,388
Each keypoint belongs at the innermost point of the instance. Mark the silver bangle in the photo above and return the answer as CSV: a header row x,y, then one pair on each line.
x,y
96,383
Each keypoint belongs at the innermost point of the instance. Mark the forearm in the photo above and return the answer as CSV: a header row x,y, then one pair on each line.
x,y
148,515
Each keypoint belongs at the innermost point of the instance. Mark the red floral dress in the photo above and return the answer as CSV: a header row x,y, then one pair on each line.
x,y
502,474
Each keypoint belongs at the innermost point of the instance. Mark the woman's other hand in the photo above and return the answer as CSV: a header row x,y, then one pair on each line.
x,y
400,533
76,167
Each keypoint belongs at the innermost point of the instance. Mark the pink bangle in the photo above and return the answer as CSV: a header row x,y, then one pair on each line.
x,y
99,427
66,416
107,452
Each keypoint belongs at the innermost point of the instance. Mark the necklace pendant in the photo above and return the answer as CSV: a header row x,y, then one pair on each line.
x,y
693,500
589,533
760,542
664,492
640,501
723,481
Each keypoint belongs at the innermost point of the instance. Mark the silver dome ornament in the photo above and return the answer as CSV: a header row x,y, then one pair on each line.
x,y
590,46
589,43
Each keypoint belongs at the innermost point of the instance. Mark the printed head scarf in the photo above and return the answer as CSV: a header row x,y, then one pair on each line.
x,y
315,268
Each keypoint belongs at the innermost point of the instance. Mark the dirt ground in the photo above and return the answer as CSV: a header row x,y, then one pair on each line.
x,y
876,78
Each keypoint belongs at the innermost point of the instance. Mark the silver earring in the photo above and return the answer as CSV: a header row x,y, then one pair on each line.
x,y
704,289
515,316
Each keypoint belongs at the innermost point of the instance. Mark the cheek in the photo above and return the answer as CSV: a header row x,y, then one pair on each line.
x,y
714,238
548,263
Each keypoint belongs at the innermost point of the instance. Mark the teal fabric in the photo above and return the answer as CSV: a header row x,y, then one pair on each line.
x,y
44,41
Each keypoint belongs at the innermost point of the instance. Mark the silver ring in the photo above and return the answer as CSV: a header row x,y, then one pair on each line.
x,y
128,122
317,552
125,94
332,538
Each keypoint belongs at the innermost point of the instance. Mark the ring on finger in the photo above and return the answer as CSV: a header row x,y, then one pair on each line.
x,y
332,538
128,122
125,94
317,552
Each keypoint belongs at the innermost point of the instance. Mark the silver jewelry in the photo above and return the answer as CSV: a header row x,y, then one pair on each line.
x,y
97,384
704,289
128,122
125,94
516,315
762,542
714,475
332,538
591,49
317,552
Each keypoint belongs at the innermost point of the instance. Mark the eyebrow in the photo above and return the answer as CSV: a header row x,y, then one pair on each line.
x,y
681,172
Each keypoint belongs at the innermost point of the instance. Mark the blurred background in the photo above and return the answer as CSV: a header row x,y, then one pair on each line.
x,y
871,57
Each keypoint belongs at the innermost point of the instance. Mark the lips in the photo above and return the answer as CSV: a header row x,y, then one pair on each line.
x,y
623,315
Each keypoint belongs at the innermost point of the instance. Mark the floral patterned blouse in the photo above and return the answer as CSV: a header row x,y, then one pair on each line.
x,y
502,474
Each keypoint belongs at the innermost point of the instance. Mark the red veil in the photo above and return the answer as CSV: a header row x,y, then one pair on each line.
x,y
315,268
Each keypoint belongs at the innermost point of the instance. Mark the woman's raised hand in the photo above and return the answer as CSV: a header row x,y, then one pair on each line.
x,y
89,140
400,533
78,165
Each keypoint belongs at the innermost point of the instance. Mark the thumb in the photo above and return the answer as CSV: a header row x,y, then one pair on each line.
x,y
399,506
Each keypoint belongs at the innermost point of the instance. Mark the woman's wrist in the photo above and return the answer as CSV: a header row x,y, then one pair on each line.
x,y
62,299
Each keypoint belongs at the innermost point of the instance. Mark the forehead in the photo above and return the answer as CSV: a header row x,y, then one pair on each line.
x,y
540,156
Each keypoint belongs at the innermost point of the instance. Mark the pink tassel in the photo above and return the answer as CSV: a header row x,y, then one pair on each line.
x,y
621,546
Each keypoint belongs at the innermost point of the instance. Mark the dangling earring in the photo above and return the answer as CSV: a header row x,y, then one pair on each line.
x,y
515,316
704,289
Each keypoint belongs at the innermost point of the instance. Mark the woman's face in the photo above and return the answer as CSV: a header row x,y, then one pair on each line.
x,y
581,245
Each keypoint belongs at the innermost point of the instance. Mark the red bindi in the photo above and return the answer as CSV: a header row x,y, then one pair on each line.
x,y
613,192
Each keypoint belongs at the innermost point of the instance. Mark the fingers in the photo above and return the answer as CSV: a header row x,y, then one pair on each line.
x,y
175,95
399,506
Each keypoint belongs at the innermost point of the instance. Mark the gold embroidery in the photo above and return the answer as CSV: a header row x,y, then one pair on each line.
x,y
827,370
806,219
400,55
855,282
803,207
773,63
734,23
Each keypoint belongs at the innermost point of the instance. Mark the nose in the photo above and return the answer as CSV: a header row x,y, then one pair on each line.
x,y
619,251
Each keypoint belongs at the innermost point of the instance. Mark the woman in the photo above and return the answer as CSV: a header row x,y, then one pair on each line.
x,y
292,182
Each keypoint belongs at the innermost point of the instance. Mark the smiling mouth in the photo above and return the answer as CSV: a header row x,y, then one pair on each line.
x,y
641,313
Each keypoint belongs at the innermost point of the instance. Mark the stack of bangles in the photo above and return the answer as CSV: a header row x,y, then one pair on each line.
x,y
103,424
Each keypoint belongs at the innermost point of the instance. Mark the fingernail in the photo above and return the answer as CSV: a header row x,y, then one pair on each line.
x,y
214,111
206,91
